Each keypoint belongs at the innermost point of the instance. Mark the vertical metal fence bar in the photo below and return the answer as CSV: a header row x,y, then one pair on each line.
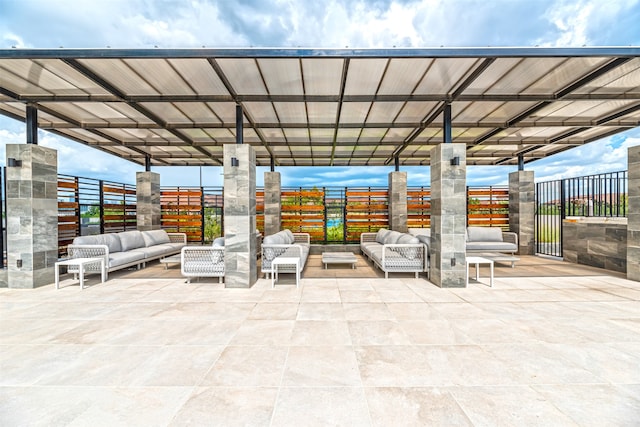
x,y
101,190
202,219
3,209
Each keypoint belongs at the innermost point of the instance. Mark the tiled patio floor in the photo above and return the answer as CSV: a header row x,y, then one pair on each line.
x,y
150,350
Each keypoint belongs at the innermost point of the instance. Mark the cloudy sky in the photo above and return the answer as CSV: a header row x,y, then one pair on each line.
x,y
329,24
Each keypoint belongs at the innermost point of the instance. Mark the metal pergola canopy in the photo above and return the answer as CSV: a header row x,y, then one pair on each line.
x,y
323,107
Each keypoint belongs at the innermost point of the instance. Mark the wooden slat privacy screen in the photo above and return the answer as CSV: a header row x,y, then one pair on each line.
x,y
419,207
119,207
303,212
329,215
68,212
260,211
181,211
366,210
488,206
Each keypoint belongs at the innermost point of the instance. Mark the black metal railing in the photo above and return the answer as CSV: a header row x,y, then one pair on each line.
x,y
600,195
3,221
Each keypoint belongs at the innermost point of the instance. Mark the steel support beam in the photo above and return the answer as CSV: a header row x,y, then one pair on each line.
x,y
239,124
32,124
446,124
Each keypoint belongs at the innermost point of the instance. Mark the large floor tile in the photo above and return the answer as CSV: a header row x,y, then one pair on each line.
x,y
90,406
378,332
248,366
434,332
228,406
593,404
413,311
321,406
320,311
367,311
404,366
321,332
321,366
540,363
398,406
264,332
274,311
508,406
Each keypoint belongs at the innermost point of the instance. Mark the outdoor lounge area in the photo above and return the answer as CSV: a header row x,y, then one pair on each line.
x,y
551,343
402,331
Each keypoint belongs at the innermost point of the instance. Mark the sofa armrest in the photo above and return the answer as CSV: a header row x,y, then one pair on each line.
x,y
410,251
510,237
304,238
271,252
89,251
178,237
202,260
368,237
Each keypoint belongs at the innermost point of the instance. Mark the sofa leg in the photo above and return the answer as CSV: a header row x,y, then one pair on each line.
x,y
386,275
416,274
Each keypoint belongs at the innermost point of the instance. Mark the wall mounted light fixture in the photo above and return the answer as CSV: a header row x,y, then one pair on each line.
x,y
234,162
455,161
13,163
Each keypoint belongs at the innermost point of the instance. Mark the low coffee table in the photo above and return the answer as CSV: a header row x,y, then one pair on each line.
x,y
476,260
497,257
339,258
173,259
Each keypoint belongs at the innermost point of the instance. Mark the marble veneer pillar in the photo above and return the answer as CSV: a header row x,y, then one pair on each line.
x,y
448,216
148,200
272,203
398,201
633,215
522,207
32,215
240,216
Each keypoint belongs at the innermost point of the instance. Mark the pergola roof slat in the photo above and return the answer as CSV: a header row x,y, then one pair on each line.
x,y
325,106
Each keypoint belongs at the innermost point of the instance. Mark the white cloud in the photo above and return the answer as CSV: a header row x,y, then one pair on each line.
x,y
330,23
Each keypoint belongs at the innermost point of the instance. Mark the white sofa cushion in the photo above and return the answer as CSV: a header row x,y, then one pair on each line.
x,y
382,233
491,247
112,241
484,234
274,239
131,240
155,237
392,237
121,258
288,236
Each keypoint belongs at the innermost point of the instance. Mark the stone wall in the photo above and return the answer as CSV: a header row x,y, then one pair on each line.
x,y
598,242
633,212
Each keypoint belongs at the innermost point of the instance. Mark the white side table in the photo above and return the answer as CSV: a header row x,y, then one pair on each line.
x,y
477,261
284,262
80,263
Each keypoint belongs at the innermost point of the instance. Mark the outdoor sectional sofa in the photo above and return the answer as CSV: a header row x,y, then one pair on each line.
x,y
203,261
491,239
286,244
127,248
395,252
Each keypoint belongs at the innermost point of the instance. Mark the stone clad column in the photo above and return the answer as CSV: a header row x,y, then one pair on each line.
x,y
32,215
272,203
448,216
633,215
522,208
398,201
240,216
148,200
